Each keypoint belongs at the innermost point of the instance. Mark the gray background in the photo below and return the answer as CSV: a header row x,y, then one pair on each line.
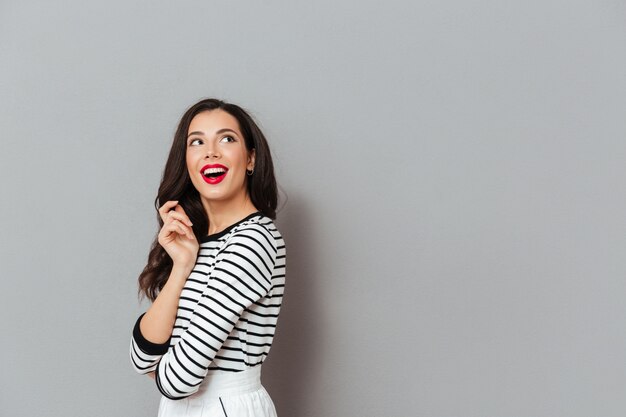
x,y
455,217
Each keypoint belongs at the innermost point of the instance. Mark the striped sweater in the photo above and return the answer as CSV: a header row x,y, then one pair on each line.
x,y
227,311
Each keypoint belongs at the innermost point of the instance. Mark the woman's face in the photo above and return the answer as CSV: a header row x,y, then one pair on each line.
x,y
217,157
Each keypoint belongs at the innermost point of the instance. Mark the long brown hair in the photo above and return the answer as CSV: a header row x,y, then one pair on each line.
x,y
176,185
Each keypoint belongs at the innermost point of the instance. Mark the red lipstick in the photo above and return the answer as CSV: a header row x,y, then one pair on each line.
x,y
217,173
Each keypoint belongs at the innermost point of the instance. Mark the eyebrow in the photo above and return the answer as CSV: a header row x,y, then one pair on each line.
x,y
197,132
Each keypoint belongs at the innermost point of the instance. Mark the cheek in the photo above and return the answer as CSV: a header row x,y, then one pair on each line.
x,y
190,164
191,156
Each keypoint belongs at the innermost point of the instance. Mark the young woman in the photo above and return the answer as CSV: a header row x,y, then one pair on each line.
x,y
216,271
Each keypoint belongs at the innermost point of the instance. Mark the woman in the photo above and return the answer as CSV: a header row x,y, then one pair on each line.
x,y
216,271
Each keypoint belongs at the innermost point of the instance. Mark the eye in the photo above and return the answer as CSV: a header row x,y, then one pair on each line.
x,y
231,139
194,140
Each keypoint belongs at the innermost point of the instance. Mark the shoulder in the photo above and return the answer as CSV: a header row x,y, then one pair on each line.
x,y
259,230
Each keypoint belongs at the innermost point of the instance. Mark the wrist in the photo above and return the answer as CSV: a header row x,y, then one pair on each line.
x,y
182,268
180,272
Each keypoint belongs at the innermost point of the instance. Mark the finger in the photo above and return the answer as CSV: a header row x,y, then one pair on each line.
x,y
179,216
181,210
165,208
170,231
184,230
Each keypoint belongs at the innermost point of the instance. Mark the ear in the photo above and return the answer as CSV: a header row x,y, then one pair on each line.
x,y
251,159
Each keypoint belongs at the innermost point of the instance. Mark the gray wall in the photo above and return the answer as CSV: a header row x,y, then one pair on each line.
x,y
455,181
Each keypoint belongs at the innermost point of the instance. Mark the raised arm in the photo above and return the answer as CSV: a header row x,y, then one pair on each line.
x,y
153,329
241,276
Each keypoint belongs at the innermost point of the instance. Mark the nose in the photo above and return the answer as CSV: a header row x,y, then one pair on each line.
x,y
212,151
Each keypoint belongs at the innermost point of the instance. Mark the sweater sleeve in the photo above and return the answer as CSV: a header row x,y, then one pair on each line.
x,y
241,275
145,355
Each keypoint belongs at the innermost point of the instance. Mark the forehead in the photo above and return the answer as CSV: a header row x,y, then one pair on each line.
x,y
210,121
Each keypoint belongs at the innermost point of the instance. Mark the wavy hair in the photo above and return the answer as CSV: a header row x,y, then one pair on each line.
x,y
176,185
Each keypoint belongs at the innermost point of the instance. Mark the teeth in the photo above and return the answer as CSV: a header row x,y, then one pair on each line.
x,y
213,171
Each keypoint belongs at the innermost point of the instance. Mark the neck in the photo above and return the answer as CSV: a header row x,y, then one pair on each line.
x,y
224,213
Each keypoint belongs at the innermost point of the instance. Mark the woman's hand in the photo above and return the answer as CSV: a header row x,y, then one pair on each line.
x,y
176,235
178,240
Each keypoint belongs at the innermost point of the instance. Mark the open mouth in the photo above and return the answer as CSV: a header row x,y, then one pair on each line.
x,y
214,174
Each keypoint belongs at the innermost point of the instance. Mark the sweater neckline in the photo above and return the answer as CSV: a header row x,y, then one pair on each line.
x,y
216,236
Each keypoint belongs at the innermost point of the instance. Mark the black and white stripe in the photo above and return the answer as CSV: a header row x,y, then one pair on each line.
x,y
227,311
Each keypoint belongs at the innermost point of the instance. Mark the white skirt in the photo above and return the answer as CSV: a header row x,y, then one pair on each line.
x,y
224,394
